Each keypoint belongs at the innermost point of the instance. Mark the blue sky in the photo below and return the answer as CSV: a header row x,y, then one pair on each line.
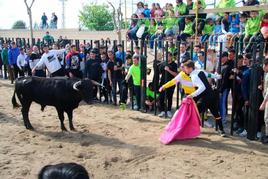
x,y
13,10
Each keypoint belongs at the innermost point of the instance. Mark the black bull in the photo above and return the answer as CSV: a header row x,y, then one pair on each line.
x,y
63,93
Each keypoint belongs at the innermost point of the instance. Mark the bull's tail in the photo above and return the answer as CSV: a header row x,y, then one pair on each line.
x,y
14,101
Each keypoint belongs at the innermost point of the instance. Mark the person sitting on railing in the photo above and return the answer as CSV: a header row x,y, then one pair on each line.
x,y
158,11
140,8
143,26
153,8
252,28
240,36
133,28
207,31
190,5
201,16
170,23
180,10
188,31
147,11
234,27
225,29
152,29
158,35
216,32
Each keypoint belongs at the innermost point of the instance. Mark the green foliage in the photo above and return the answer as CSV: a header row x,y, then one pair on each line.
x,y
96,17
19,25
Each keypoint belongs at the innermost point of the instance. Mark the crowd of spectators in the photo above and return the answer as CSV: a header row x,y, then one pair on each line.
x,y
119,70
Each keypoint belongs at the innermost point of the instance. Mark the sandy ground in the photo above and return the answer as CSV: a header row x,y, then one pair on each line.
x,y
112,143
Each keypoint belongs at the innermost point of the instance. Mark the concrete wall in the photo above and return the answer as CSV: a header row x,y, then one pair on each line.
x,y
69,33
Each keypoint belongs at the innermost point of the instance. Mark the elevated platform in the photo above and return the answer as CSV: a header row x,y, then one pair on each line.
x,y
69,33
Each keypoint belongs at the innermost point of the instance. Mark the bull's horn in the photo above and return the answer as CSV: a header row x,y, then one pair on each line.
x,y
76,84
96,83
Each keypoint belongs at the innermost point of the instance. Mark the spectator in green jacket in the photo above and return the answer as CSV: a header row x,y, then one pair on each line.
x,y
208,29
188,32
143,21
170,23
252,25
48,39
180,10
150,93
201,17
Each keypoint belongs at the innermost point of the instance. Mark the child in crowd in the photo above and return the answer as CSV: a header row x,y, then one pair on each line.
x,y
259,37
150,94
252,25
120,53
188,32
207,31
135,72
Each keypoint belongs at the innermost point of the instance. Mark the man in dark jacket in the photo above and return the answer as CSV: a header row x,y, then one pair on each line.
x,y
225,84
115,75
93,70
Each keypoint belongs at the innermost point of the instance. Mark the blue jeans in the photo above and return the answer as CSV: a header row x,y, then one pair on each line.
x,y
159,38
204,38
223,101
114,88
137,92
132,33
213,40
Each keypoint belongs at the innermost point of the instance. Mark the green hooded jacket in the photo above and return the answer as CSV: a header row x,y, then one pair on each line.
x,y
4,56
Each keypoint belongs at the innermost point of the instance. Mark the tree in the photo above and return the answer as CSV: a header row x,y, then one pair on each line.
x,y
117,20
96,17
19,25
29,11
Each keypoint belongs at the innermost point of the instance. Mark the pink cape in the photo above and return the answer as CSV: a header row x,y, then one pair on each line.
x,y
185,123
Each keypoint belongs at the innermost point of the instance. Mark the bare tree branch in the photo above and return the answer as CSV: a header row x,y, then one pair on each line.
x,y
32,4
29,11
117,19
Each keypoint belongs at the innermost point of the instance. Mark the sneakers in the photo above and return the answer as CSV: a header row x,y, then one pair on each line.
x,y
162,114
239,131
259,135
169,114
222,133
136,107
243,134
208,124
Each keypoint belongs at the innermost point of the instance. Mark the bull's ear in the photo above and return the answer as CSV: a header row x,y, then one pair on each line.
x,y
76,85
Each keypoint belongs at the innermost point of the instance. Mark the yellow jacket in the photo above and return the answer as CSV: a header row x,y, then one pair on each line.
x,y
185,82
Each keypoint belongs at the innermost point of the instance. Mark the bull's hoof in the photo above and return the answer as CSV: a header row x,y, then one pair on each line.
x,y
30,128
16,106
72,129
64,129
